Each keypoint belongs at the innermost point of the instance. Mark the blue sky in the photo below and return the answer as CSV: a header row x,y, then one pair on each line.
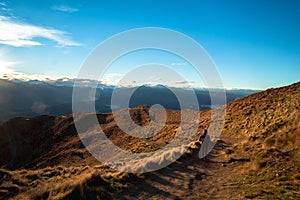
x,y
255,44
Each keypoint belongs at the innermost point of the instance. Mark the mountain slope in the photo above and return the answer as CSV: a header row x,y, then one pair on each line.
x,y
256,157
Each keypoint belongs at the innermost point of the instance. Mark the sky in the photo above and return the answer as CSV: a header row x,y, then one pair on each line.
x,y
254,44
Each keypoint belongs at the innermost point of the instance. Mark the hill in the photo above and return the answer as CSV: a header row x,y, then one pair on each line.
x,y
257,156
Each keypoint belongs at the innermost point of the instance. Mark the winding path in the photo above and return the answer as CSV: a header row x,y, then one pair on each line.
x,y
191,178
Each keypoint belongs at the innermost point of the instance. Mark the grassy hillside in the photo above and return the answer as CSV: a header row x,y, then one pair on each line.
x,y
257,156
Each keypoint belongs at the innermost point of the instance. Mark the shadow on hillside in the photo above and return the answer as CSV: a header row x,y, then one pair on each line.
x,y
185,170
21,140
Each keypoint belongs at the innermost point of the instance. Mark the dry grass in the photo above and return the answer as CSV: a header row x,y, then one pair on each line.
x,y
262,128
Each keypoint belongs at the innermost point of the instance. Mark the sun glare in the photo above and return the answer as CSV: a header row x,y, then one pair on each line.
x,y
6,65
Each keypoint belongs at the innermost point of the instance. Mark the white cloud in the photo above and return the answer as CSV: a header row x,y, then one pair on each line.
x,y
181,82
4,9
5,65
178,64
111,78
65,9
20,34
11,74
9,63
154,78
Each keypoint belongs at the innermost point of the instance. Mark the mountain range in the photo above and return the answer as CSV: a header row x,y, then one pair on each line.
x,y
20,98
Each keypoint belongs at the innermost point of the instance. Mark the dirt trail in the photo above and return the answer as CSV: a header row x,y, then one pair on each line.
x,y
192,178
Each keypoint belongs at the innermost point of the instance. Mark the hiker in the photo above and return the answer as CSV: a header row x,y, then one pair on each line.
x,y
206,144
203,135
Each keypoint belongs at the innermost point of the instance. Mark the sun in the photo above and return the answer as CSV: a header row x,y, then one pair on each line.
x,y
4,67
